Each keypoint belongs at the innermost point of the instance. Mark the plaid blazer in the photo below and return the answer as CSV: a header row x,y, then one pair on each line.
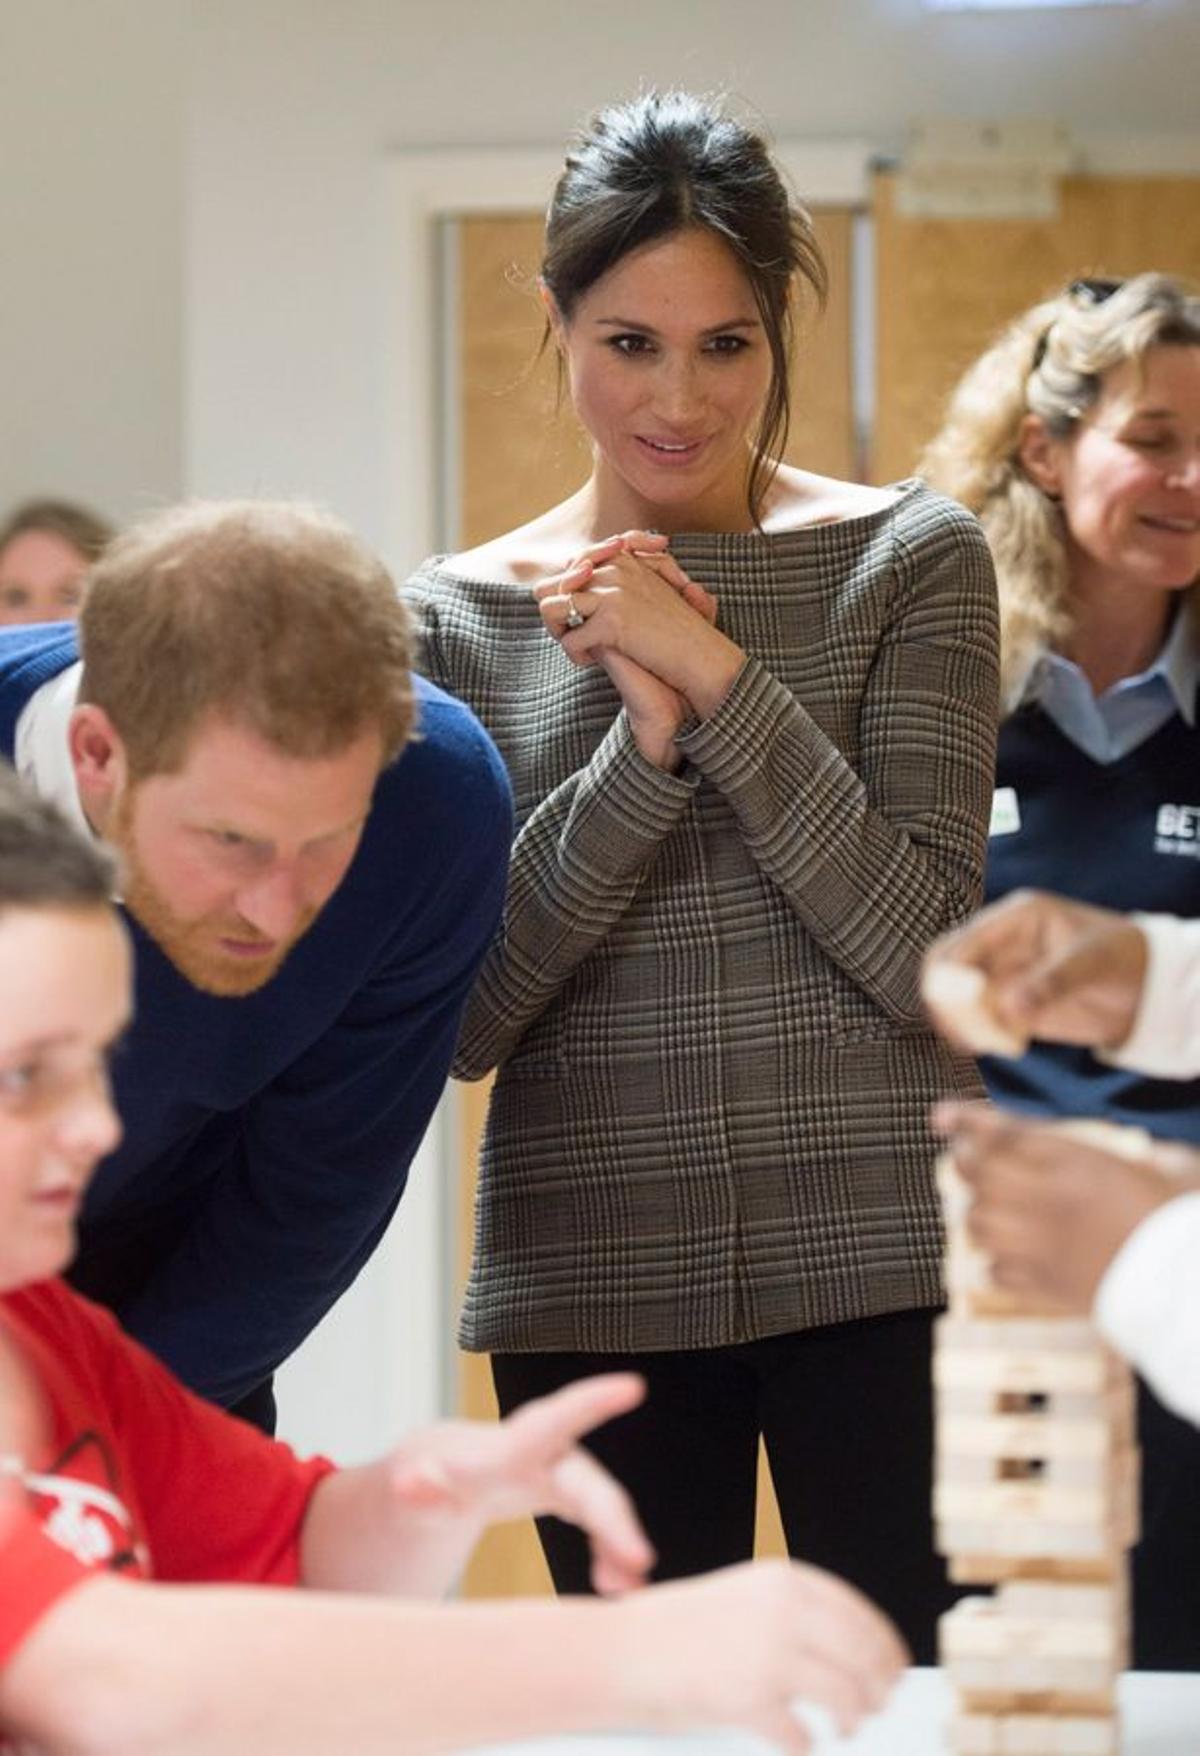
x,y
710,1117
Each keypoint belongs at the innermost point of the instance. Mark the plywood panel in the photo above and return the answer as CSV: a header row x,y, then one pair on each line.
x,y
521,448
520,452
508,1562
945,287
822,436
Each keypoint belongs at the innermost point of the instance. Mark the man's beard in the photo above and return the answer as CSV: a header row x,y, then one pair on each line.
x,y
193,946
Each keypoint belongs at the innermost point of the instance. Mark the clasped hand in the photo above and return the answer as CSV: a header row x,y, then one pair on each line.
x,y
652,629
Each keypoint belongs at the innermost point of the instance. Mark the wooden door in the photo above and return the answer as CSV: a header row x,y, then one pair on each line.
x,y
945,287
521,451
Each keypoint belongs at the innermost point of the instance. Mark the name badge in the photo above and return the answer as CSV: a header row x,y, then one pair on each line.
x,y
1006,813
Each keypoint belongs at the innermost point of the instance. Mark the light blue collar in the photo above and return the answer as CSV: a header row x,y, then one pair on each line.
x,y
1109,726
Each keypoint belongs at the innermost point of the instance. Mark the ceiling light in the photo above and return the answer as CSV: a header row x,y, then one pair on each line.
x,y
1018,5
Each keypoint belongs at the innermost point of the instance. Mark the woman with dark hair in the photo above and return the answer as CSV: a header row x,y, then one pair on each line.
x,y
749,716
1076,439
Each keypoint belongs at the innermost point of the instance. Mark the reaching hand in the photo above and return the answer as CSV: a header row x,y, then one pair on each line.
x,y
1041,966
740,1646
484,1473
1053,1202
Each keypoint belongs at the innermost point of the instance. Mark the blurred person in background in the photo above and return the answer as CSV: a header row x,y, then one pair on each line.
x,y
46,547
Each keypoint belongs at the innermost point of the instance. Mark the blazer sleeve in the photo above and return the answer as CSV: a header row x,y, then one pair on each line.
x,y
879,856
577,863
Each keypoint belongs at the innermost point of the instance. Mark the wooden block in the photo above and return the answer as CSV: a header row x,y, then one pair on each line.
x,y
1027,1675
962,1497
975,1734
981,1568
1028,1734
986,1627
1020,1333
1036,1491
1036,1372
1101,1704
1029,1435
974,1300
1024,1539
1051,1598
1073,1422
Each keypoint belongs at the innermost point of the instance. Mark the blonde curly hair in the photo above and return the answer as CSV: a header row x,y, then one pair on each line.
x,y
1050,362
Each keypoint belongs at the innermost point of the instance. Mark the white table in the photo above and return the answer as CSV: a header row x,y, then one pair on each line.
x,y
1160,1717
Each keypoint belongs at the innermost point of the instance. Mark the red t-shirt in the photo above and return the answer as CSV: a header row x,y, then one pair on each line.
x,y
134,1474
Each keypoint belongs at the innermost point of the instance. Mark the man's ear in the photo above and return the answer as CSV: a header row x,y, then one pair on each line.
x,y
98,759
1039,455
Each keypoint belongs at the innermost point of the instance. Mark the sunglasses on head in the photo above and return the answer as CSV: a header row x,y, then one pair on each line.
x,y
1089,290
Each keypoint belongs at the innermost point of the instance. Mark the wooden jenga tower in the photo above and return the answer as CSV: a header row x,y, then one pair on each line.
x,y
1036,1492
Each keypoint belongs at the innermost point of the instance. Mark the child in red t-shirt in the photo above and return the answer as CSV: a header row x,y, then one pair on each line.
x,y
121,1493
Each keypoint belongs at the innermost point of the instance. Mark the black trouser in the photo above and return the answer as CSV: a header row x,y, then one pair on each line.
x,y
846,1415
1166,1563
258,1407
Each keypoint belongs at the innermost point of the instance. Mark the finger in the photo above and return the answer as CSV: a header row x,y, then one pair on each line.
x,y
838,1684
1175,1160
667,569
642,542
425,1484
847,1622
782,1729
1010,932
954,1115
694,595
1096,958
1017,1274
632,542
587,1496
557,584
697,598
556,614
980,1159
547,1427
560,609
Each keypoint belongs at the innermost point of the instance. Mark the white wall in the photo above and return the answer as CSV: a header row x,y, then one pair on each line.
x,y
296,104
91,236
127,373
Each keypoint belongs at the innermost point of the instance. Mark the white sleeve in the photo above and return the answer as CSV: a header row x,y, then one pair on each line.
x,y
1165,1039
1148,1304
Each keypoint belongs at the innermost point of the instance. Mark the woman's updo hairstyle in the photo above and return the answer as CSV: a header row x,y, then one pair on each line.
x,y
667,163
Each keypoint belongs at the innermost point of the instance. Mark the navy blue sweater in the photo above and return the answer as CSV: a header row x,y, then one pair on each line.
x,y
1111,834
268,1138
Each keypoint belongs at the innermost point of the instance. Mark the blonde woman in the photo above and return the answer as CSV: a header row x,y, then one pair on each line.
x,y
1076,440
